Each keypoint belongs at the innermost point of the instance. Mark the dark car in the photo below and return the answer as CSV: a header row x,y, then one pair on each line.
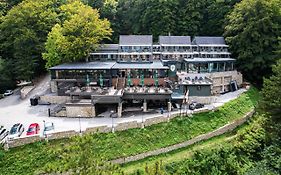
x,y
195,105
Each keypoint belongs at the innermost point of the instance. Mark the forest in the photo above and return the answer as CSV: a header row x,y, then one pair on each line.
x,y
37,34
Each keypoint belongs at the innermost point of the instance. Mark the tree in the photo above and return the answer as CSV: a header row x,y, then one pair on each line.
x,y
6,5
6,81
271,91
23,33
79,34
252,31
191,15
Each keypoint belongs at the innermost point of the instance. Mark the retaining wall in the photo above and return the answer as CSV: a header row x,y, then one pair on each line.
x,y
63,134
127,125
155,120
25,91
23,141
98,129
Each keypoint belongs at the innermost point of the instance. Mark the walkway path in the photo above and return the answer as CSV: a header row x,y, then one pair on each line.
x,y
219,131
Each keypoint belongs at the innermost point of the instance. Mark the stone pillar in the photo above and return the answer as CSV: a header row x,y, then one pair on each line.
x,y
222,79
94,111
169,106
119,109
57,74
54,86
144,106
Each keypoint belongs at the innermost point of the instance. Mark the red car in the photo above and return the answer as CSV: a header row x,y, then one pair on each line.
x,y
33,129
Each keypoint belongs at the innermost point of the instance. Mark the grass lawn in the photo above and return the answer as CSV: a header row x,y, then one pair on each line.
x,y
30,158
180,154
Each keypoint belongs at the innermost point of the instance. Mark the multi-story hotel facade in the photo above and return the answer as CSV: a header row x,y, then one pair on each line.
x,y
138,71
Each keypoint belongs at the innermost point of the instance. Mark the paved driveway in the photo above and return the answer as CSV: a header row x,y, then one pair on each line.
x,y
14,110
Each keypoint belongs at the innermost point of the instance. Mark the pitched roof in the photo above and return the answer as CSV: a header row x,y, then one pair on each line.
x,y
207,40
135,40
174,40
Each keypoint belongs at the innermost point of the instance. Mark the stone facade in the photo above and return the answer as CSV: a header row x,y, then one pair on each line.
x,y
80,110
54,86
203,100
54,99
221,80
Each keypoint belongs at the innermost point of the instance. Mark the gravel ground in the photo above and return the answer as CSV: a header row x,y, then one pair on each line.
x,y
14,110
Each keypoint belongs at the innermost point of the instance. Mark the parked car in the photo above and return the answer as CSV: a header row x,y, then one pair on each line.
x,y
195,105
49,128
8,92
16,131
1,96
3,134
33,129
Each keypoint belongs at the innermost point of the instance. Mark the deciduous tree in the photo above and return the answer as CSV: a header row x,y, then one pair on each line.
x,y
23,33
79,34
271,91
252,31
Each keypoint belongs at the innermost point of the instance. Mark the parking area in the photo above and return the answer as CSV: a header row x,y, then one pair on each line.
x,y
14,110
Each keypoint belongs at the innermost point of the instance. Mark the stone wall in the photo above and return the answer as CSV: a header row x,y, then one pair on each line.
x,y
219,131
54,86
62,135
23,141
203,100
98,129
221,80
85,111
155,120
127,125
54,99
25,91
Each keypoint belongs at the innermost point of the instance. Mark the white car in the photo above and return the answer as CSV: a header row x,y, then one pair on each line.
x,y
3,134
49,129
16,131
8,92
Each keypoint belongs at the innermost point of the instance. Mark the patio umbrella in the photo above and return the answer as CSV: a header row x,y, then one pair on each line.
x,y
142,79
156,78
87,80
129,81
101,81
